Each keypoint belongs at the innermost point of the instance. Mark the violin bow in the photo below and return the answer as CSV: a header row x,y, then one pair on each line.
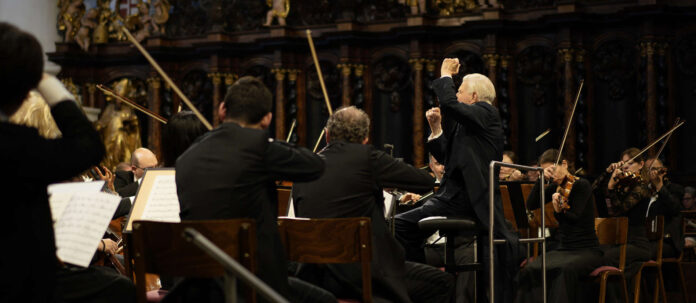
x,y
657,140
321,82
166,77
570,120
131,103
657,156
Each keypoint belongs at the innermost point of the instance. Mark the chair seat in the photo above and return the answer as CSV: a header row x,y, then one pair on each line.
x,y
444,224
602,269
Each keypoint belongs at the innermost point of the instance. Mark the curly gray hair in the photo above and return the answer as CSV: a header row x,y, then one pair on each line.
x,y
348,124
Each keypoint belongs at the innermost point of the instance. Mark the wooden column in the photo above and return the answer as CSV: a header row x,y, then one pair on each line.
x,y
345,79
217,81
491,61
279,103
155,127
302,109
90,98
292,79
418,113
648,49
569,93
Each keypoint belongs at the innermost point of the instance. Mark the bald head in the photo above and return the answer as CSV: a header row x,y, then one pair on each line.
x,y
141,159
348,124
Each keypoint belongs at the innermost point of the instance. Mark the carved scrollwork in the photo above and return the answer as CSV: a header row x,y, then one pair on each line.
x,y
199,88
392,75
614,62
535,68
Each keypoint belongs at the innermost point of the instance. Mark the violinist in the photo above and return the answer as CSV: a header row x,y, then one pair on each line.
x,y
627,194
666,202
578,253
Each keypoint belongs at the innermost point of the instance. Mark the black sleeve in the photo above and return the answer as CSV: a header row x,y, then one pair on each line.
x,y
56,160
121,179
534,195
287,162
463,113
669,199
392,173
437,148
580,197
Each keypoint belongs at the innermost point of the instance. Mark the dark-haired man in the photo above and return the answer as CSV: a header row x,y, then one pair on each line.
x,y
578,253
230,171
31,163
352,186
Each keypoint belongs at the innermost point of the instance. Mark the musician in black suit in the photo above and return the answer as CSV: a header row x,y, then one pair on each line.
x,y
667,202
31,163
351,186
126,183
230,171
466,137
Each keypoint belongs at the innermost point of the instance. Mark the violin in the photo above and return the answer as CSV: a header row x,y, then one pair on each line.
x,y
564,189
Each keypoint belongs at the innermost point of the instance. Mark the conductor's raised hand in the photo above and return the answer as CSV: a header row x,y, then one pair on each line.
x,y
434,119
450,66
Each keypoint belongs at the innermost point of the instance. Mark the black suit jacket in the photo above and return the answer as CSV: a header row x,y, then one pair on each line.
x,y
352,187
31,162
230,172
124,183
669,205
472,138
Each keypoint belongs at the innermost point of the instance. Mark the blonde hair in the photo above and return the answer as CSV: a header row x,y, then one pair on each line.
x,y
481,85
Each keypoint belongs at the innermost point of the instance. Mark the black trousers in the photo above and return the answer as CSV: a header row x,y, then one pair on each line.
x,y
566,272
93,284
465,289
428,284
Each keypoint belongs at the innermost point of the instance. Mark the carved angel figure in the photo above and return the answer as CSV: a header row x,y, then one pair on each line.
x,y
89,22
119,126
280,9
161,16
71,12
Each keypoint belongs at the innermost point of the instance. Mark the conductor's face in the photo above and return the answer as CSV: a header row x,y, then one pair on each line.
x,y
464,95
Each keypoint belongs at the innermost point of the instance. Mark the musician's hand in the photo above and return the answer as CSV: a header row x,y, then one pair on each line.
x,y
107,176
516,175
110,247
548,173
434,120
614,176
614,166
409,198
556,201
450,66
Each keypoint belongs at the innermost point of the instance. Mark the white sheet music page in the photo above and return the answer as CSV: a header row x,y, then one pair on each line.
x,y
60,194
163,202
80,228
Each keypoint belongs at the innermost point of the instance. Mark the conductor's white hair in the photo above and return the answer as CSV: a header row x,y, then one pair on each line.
x,y
481,85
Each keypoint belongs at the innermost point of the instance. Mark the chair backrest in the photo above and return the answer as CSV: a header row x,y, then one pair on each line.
x,y
507,206
160,248
340,240
283,200
613,231
655,231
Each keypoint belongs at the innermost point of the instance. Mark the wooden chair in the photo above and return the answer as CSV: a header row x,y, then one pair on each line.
x,y
340,240
655,232
612,231
160,248
283,200
507,206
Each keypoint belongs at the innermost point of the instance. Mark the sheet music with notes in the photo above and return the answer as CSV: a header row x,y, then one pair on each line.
x,y
156,199
60,194
81,226
163,202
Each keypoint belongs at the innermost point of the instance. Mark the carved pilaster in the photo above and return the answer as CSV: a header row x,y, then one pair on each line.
x,y
491,62
418,112
291,105
91,95
155,103
647,52
217,97
279,102
345,82
230,78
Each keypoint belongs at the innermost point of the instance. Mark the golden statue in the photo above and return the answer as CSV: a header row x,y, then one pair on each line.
x,y
35,113
71,12
280,9
161,16
119,126
89,23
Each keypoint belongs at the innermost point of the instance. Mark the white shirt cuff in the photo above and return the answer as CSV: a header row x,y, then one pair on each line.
x,y
434,136
53,91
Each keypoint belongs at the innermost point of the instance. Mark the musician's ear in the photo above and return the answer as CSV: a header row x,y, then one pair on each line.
x,y
266,120
222,112
365,140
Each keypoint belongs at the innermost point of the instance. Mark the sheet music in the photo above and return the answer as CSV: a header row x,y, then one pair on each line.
x,y
81,226
60,194
163,202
